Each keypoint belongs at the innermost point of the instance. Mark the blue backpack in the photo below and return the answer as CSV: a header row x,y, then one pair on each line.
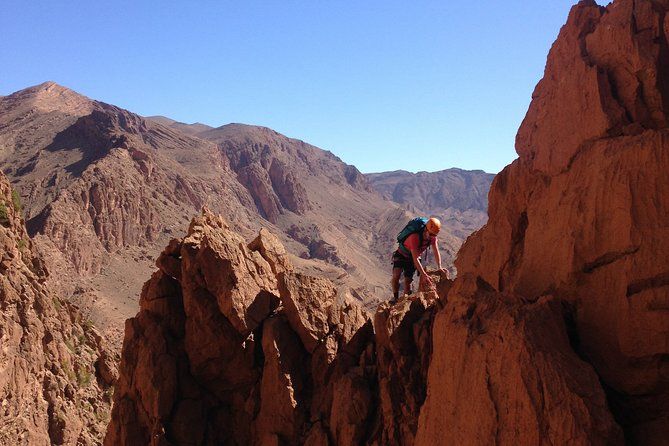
x,y
415,225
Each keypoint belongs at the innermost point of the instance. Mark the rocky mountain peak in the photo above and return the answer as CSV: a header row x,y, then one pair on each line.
x,y
48,89
52,97
606,76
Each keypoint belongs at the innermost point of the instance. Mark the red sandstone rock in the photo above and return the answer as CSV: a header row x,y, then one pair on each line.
x,y
308,303
554,332
241,280
582,214
50,391
272,250
403,347
257,181
283,384
504,372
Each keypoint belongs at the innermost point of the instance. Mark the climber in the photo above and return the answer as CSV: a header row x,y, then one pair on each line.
x,y
414,239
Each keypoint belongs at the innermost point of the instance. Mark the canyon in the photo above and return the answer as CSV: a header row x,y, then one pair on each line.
x,y
264,321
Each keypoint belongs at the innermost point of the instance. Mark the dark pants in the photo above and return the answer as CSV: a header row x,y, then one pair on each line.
x,y
405,263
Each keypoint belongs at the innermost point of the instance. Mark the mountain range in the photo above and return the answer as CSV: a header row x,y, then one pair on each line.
x,y
103,189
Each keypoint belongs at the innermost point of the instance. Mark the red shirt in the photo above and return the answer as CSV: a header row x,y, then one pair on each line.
x,y
412,242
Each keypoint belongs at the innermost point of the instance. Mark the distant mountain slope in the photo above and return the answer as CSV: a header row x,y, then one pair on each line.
x,y
102,188
189,129
459,197
435,191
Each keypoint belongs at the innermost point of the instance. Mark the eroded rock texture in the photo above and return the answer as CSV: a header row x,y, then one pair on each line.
x,y
504,372
231,346
580,218
55,376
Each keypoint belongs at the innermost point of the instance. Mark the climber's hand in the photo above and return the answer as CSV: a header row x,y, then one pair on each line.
x,y
426,281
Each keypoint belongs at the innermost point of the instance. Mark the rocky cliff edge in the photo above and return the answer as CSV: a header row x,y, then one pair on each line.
x,y
56,375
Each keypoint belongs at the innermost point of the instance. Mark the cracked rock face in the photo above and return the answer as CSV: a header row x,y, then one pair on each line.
x,y
581,215
504,372
233,347
270,180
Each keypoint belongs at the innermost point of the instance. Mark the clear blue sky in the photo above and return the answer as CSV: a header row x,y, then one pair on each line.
x,y
418,85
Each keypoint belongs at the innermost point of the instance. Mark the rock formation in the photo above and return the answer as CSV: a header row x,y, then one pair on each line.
x,y
580,219
325,205
503,371
55,375
554,332
232,346
101,187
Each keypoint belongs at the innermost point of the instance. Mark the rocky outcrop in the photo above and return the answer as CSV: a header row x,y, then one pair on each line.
x,y
403,335
505,372
257,181
259,167
291,192
232,346
579,218
606,76
55,375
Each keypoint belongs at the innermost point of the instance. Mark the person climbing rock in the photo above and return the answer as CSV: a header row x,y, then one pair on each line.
x,y
419,234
